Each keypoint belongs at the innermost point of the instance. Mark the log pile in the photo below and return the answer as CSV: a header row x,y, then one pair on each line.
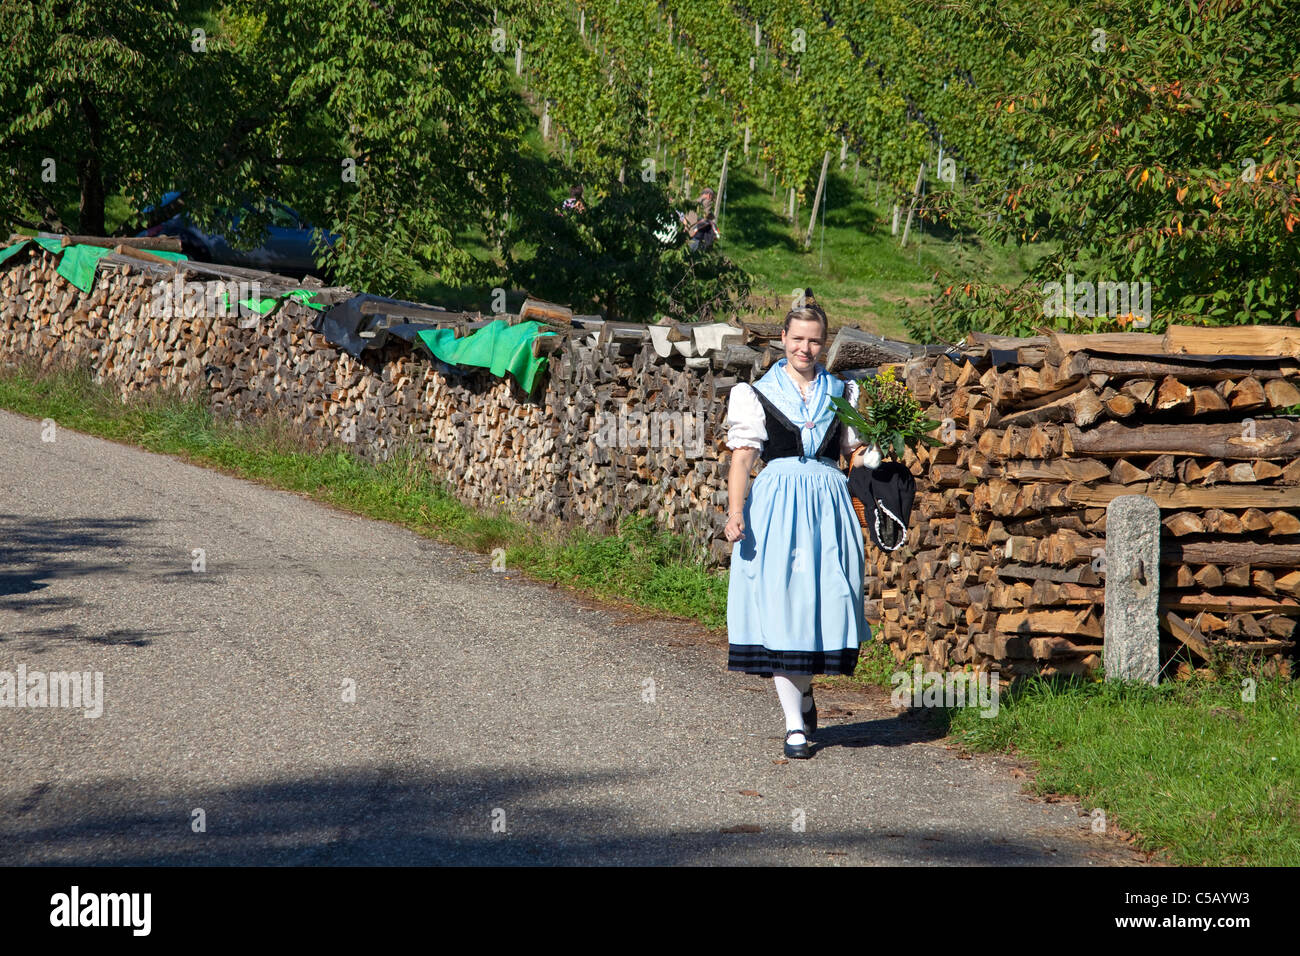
x,y
1006,556
1007,562
615,429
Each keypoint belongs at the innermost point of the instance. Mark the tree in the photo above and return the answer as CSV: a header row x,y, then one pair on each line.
x,y
608,258
411,133
100,97
1159,146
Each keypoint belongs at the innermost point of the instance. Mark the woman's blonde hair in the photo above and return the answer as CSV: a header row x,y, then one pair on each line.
x,y
809,313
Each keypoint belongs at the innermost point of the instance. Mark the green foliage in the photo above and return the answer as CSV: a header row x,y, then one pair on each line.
x,y
97,98
1161,151
609,258
888,416
411,97
280,98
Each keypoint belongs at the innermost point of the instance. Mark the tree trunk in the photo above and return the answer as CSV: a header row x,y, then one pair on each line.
x,y
90,173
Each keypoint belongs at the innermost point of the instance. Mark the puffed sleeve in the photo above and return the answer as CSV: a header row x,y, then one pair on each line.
x,y
746,421
849,440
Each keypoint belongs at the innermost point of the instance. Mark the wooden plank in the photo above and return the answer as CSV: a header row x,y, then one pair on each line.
x,y
163,243
1232,340
1231,552
131,252
1116,343
1083,574
1265,367
1059,470
1007,342
1187,634
1231,603
1081,622
421,313
1169,495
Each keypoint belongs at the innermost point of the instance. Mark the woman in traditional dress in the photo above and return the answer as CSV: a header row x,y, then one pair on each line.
x,y
795,599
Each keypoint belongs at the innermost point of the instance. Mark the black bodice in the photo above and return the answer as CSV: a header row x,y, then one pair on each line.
x,y
784,438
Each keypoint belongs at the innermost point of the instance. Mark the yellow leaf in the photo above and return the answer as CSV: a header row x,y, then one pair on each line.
x,y
1144,175
1011,107
1180,227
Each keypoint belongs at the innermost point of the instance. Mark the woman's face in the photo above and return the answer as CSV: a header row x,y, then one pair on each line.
x,y
803,344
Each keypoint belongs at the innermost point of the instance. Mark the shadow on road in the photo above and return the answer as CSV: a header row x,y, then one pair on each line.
x,y
387,816
36,552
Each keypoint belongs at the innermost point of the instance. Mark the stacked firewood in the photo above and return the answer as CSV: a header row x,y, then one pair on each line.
x,y
1008,561
615,428
1006,556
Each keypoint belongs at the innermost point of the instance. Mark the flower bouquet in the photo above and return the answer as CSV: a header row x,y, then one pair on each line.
x,y
888,416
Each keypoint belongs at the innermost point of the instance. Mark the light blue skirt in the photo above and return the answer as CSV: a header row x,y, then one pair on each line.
x,y
795,597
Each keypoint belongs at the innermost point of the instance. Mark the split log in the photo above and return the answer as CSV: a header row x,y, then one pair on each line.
x,y
853,348
1272,438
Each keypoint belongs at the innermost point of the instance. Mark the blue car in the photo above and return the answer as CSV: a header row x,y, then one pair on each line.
x,y
286,248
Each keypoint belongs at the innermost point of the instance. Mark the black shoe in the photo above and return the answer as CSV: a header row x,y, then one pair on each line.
x,y
799,752
810,716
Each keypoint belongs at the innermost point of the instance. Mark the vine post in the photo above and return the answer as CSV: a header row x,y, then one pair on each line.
x,y
821,186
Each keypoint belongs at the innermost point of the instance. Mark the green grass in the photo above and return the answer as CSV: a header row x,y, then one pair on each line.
x,y
857,269
1188,766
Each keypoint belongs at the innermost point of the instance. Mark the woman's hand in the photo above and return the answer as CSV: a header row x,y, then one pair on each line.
x,y
735,529
865,456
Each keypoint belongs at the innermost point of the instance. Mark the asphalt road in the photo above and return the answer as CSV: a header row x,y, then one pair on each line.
x,y
334,690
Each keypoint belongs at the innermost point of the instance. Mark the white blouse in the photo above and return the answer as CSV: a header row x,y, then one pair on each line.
x,y
747,422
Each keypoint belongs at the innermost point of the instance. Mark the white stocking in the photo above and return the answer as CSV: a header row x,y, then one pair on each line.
x,y
790,690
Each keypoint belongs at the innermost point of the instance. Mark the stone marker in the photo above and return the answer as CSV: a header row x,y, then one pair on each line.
x,y
1132,564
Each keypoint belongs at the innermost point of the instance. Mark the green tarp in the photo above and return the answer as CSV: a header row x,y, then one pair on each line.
x,y
498,347
49,245
265,306
78,262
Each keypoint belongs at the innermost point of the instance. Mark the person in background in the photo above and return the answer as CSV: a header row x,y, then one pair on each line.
x,y
574,203
702,227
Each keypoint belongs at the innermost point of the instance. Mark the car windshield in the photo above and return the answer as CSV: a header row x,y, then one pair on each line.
x,y
283,217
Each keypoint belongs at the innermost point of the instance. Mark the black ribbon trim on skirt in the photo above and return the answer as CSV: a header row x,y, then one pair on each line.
x,y
762,661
